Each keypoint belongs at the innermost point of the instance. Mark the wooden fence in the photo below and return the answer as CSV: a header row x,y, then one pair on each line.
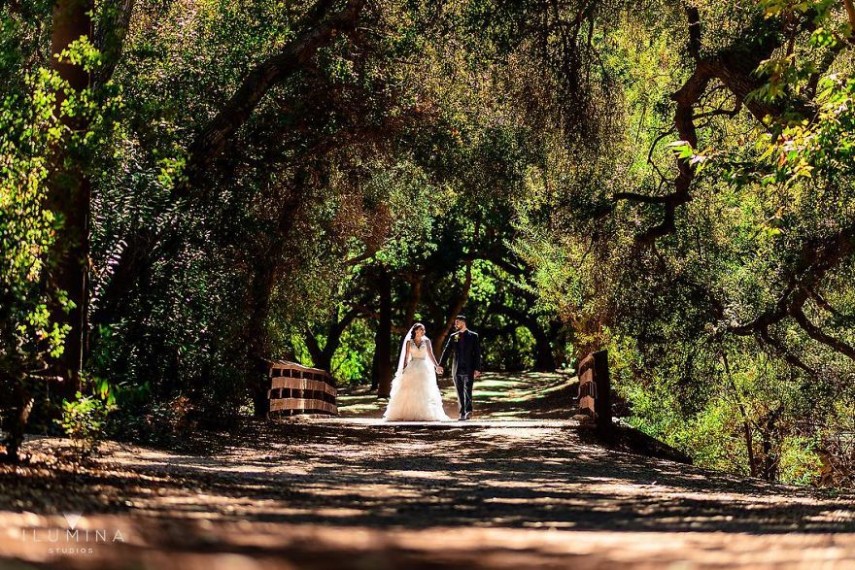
x,y
297,389
595,388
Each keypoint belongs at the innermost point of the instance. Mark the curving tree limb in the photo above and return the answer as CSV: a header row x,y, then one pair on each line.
x,y
819,335
816,259
735,68
316,29
319,27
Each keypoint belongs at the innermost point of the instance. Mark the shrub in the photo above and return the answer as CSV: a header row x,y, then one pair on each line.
x,y
84,420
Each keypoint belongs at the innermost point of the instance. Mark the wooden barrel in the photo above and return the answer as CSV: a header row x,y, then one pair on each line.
x,y
297,389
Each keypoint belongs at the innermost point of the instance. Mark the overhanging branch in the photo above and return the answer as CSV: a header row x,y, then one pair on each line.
x,y
819,335
319,26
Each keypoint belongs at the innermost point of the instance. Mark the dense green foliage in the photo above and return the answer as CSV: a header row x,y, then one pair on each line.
x,y
669,180
84,421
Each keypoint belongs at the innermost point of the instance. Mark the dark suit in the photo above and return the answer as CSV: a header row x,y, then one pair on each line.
x,y
466,347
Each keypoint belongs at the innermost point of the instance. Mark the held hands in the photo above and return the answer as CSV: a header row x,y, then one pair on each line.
x,y
440,370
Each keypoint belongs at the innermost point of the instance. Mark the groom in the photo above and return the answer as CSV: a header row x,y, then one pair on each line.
x,y
467,363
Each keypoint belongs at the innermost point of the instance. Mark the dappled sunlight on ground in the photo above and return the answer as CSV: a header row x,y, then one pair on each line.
x,y
357,492
415,497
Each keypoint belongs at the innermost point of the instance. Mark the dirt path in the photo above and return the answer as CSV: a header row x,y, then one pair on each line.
x,y
361,494
365,496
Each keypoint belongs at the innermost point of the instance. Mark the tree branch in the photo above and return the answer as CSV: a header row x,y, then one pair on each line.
x,y
816,259
782,351
319,28
694,44
110,37
823,303
736,68
819,335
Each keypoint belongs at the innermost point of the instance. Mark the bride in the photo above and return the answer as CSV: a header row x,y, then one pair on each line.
x,y
415,395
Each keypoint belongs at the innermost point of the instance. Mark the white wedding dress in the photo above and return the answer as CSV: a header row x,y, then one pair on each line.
x,y
415,395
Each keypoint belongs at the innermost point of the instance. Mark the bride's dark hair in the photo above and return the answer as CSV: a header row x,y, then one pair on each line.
x,y
418,326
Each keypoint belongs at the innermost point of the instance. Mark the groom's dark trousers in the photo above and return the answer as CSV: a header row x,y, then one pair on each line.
x,y
463,383
466,349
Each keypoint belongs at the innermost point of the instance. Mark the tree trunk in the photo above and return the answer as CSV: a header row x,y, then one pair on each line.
x,y
14,421
110,39
746,426
314,347
414,300
267,269
258,349
771,459
382,365
544,360
68,196
322,357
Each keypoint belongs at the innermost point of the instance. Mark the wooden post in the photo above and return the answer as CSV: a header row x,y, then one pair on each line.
x,y
595,392
587,387
603,401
